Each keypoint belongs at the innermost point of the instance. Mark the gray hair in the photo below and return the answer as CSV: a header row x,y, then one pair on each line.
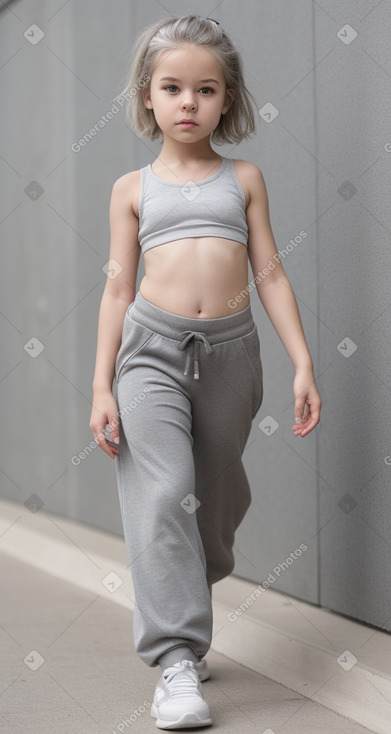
x,y
237,123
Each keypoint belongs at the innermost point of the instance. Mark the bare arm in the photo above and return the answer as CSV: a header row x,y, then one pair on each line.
x,y
119,292
278,299
111,317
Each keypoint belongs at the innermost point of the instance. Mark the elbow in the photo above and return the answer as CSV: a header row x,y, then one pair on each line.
x,y
119,292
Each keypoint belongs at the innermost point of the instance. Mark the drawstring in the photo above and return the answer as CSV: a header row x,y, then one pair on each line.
x,y
198,336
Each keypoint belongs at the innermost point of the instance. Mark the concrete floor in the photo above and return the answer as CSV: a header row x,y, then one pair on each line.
x,y
68,666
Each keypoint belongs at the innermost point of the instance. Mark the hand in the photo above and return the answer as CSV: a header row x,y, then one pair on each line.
x,y
105,411
307,401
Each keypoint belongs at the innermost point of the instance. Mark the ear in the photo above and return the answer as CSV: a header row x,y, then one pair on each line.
x,y
229,98
146,98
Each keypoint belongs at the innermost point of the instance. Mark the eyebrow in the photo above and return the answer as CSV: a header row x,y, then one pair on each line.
x,y
173,79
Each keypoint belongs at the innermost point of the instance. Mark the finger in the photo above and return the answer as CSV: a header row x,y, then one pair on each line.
x,y
112,451
114,445
114,435
312,417
101,441
99,435
309,428
113,427
297,429
304,427
108,449
298,415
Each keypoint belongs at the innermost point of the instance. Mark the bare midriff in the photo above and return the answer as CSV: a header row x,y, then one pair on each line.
x,y
198,277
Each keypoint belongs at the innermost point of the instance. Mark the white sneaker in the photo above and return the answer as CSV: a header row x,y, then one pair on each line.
x,y
178,702
202,670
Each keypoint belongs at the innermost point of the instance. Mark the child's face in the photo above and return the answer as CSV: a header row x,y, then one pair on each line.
x,y
189,96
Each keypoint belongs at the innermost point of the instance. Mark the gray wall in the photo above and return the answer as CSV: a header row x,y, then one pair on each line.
x,y
329,491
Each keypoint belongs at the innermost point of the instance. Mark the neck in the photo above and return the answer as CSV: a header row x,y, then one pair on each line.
x,y
186,153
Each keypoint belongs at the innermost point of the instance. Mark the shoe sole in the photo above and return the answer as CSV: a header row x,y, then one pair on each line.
x,y
186,721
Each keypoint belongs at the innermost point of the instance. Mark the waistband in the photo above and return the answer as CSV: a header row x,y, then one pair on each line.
x,y
188,331
173,325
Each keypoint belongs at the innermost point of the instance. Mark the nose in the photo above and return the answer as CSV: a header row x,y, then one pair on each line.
x,y
188,102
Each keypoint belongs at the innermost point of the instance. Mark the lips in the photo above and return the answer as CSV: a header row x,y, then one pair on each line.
x,y
187,122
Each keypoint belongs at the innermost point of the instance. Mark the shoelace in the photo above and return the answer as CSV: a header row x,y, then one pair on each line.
x,y
181,685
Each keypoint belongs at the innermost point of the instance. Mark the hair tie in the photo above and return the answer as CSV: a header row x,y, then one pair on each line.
x,y
214,21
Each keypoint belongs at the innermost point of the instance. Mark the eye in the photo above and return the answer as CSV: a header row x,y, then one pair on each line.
x,y
174,86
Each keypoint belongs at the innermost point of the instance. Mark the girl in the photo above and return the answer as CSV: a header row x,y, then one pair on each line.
x,y
184,352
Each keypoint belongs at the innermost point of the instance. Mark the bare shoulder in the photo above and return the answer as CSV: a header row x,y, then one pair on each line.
x,y
126,190
251,179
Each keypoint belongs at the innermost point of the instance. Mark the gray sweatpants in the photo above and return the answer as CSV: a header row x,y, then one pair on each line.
x,y
187,392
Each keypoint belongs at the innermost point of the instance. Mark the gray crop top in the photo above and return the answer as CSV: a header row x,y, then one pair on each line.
x,y
214,207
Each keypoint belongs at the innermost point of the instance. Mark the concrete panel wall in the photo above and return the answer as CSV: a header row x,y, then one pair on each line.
x,y
325,157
